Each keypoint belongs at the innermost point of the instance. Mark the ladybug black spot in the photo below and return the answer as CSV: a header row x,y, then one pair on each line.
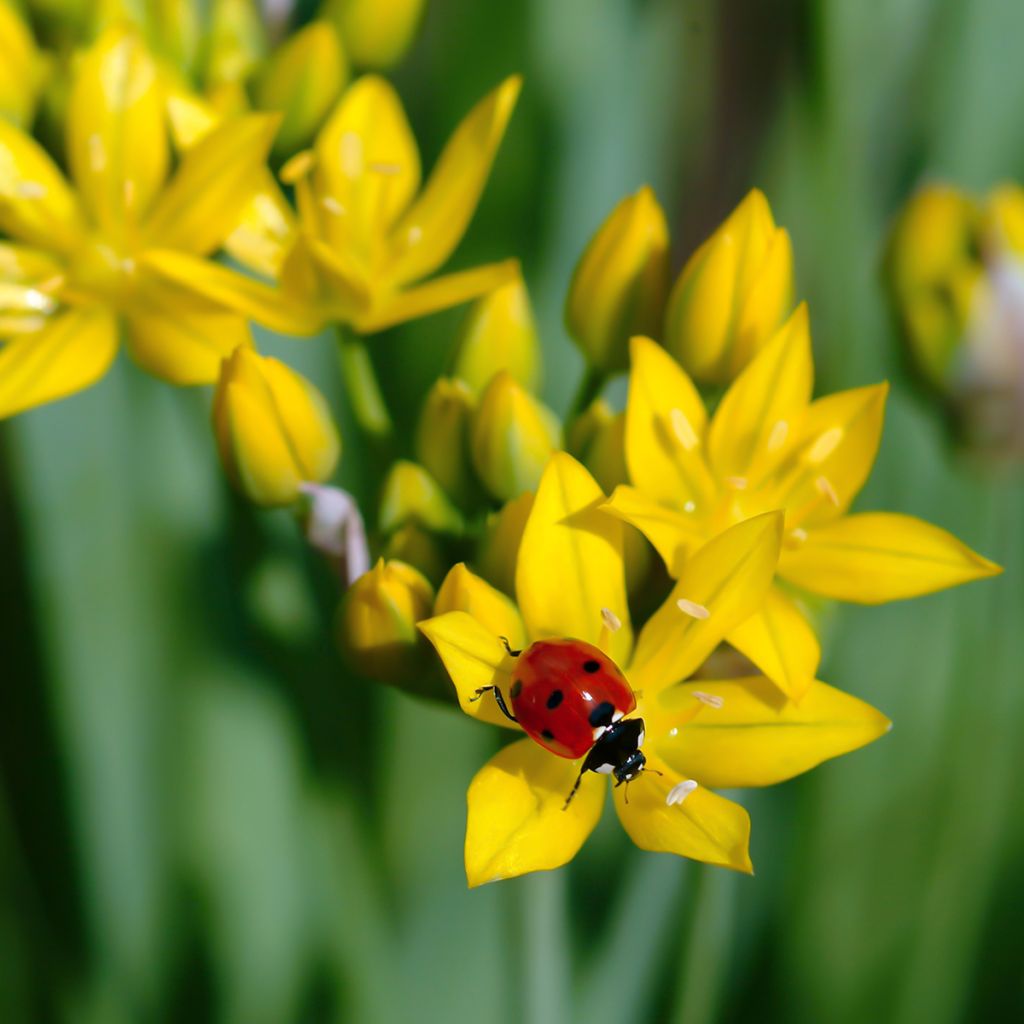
x,y
555,698
602,714
517,688
591,666
548,734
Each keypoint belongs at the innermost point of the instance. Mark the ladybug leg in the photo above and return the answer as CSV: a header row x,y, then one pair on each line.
x,y
508,647
498,697
576,785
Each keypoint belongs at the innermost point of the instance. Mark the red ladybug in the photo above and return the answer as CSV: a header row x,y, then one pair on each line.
x,y
572,699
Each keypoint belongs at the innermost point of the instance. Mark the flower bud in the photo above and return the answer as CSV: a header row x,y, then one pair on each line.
x,y
22,68
733,293
411,494
273,428
377,623
498,333
442,439
419,548
512,438
620,283
376,32
302,79
498,550
598,440
235,42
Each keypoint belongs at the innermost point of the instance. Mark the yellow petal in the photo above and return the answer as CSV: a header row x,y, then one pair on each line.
x,y
440,293
728,578
781,643
764,406
498,550
665,428
117,136
831,457
177,336
36,204
265,230
474,657
875,557
71,352
672,533
433,226
218,176
234,291
516,823
464,591
704,826
767,304
570,561
367,162
758,737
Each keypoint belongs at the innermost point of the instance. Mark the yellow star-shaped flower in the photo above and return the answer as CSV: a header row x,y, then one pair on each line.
x,y
769,446
73,275
739,732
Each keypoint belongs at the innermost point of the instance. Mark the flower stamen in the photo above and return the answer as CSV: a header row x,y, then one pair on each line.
x,y
824,446
777,438
826,490
683,429
712,700
693,609
679,792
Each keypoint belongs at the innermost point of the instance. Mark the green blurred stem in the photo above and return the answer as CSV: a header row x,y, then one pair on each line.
x,y
545,948
591,386
361,385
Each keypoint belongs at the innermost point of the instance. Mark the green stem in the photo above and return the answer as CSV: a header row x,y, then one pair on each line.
x,y
361,384
545,948
590,387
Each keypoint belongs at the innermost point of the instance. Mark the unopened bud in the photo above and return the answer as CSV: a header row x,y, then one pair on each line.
x,y
377,33
442,439
411,494
498,550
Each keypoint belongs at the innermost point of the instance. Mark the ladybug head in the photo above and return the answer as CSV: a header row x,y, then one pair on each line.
x,y
630,768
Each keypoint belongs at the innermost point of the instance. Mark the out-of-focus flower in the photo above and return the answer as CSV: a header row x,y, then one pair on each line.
x,y
442,439
334,526
569,584
512,437
499,333
498,550
732,295
621,282
366,238
956,276
377,623
411,494
376,32
74,277
768,446
23,67
234,41
302,79
273,428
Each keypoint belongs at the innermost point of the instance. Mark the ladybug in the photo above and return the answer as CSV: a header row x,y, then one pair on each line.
x,y
572,699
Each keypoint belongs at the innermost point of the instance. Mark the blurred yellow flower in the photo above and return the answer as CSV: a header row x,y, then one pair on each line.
x,y
732,295
569,583
768,446
376,32
366,233
74,277
22,67
273,429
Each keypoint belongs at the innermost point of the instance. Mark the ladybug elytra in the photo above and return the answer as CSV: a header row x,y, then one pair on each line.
x,y
572,699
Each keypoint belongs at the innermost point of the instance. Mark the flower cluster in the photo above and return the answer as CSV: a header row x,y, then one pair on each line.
x,y
689,544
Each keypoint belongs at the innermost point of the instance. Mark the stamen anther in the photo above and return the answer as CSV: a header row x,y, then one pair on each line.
x,y
825,488
690,506
737,483
680,791
683,429
383,167
713,700
777,438
611,620
691,608
30,190
331,205
824,446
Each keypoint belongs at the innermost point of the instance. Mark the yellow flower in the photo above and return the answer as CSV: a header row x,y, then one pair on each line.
x,y
22,67
768,446
376,32
732,295
273,429
73,275
569,569
366,234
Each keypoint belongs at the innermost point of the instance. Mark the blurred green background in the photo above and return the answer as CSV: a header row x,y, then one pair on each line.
x,y
202,818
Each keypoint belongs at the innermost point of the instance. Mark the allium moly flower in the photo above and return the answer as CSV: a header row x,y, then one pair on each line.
x,y
22,67
569,584
367,235
769,446
72,275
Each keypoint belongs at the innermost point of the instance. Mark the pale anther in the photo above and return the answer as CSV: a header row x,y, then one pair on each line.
x,y
611,620
691,608
331,205
777,438
798,534
415,234
713,700
97,157
382,167
737,483
690,506
674,731
30,190
351,155
826,489
825,445
680,791
683,429
39,301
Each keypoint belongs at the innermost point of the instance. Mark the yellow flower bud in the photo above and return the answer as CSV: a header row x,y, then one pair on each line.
x,y
22,68
413,545
302,79
733,293
273,428
499,547
411,494
235,43
499,334
442,439
512,438
620,283
376,32
598,439
377,623
1005,217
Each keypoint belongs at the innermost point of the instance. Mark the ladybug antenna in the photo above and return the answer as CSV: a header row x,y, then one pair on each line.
x,y
508,647
653,771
